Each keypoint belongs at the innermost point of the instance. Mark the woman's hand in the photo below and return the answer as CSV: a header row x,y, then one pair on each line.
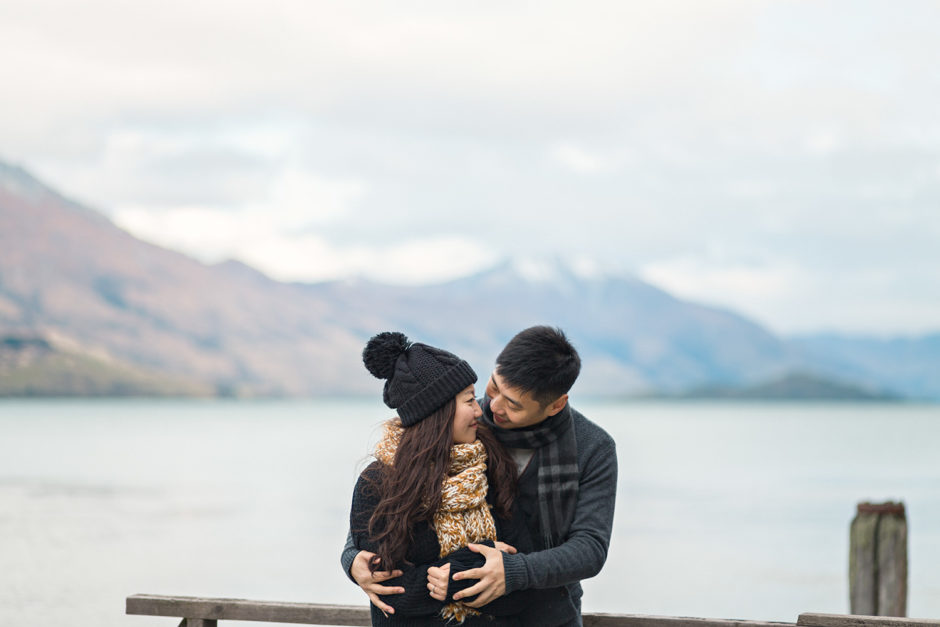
x,y
438,580
506,548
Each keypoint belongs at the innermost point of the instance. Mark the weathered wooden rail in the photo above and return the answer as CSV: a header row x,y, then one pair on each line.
x,y
205,612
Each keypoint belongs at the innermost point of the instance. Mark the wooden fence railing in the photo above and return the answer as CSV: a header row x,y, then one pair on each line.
x,y
203,612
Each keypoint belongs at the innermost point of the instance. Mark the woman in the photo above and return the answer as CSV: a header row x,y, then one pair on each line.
x,y
439,482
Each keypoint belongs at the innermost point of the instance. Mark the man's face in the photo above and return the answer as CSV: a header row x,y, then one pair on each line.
x,y
514,408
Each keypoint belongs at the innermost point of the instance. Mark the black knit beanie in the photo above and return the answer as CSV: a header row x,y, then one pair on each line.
x,y
420,378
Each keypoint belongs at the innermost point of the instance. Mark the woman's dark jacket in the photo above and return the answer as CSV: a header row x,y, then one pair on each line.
x,y
416,608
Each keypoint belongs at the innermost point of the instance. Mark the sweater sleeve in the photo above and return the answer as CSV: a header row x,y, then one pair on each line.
x,y
584,551
513,531
506,605
348,556
415,601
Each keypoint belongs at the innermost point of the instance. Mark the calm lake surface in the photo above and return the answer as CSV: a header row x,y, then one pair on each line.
x,y
723,510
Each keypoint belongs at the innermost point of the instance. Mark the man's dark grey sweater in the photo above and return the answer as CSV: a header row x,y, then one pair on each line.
x,y
584,550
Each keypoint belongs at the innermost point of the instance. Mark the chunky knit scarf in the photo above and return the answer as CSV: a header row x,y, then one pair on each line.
x,y
557,454
464,515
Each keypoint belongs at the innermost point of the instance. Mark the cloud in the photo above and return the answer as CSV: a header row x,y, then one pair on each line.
x,y
312,258
270,242
735,149
822,143
741,284
793,298
579,160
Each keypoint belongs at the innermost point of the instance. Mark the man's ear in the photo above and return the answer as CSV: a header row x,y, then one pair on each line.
x,y
557,405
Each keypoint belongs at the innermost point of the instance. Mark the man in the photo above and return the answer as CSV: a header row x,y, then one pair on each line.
x,y
567,483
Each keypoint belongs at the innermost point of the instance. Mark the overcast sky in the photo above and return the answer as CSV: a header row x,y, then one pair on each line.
x,y
779,158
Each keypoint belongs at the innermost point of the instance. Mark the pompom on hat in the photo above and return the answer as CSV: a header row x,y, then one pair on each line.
x,y
419,378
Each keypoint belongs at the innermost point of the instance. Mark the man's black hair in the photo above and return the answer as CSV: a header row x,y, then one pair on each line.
x,y
541,361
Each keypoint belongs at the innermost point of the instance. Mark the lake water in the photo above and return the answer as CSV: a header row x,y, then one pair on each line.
x,y
723,510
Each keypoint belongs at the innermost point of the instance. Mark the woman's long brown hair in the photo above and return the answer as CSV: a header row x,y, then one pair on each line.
x,y
410,490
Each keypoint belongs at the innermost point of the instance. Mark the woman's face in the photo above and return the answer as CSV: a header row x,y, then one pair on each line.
x,y
465,418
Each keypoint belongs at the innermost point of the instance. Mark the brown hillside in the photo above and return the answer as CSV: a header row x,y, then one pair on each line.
x,y
67,270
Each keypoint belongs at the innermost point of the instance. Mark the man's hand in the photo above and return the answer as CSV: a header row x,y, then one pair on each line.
x,y
370,582
438,580
506,548
492,577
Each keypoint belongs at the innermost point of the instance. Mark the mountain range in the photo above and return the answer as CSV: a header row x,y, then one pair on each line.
x,y
158,322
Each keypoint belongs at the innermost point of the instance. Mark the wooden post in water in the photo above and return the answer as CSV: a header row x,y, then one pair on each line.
x,y
878,560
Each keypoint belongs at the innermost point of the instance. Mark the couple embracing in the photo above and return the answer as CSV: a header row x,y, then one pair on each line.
x,y
481,513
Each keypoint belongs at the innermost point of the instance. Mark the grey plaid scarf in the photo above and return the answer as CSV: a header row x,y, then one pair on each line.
x,y
554,443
